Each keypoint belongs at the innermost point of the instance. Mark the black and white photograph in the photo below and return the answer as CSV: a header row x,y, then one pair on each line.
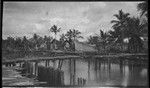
x,y
75,44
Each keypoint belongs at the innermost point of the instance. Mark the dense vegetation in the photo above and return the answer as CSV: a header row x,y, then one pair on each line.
x,y
125,27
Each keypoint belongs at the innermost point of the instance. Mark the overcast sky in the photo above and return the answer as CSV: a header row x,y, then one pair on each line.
x,y
25,18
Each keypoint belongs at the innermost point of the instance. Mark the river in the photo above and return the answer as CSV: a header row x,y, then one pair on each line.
x,y
98,73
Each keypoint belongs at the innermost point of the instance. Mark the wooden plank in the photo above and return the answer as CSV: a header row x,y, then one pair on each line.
x,y
41,58
70,56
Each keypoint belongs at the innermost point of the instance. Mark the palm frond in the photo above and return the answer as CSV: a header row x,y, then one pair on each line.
x,y
117,16
114,21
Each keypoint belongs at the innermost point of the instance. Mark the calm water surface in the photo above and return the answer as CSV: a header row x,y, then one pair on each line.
x,y
112,74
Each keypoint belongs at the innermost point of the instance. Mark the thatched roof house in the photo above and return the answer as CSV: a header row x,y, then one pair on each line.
x,y
83,47
80,46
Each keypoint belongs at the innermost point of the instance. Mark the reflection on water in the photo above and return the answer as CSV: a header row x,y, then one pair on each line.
x,y
100,73
96,72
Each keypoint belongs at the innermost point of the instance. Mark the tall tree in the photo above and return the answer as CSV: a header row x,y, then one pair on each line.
x,y
10,42
91,40
35,40
76,34
143,8
120,25
73,34
25,43
134,32
55,30
62,40
103,37
18,43
62,37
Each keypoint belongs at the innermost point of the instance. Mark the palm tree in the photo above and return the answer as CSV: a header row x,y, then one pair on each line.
x,y
143,8
103,37
25,43
18,44
55,30
62,41
90,40
69,34
134,32
35,38
48,39
120,25
75,34
10,42
63,37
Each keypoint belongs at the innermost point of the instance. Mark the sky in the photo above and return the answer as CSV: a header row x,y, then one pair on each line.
x,y
26,18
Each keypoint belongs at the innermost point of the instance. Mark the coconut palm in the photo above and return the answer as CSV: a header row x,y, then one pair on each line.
x,y
55,30
10,42
91,40
72,35
62,41
25,43
103,37
69,34
134,32
62,37
120,25
35,40
75,34
143,8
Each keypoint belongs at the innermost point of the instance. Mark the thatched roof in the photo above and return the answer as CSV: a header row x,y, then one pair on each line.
x,y
80,46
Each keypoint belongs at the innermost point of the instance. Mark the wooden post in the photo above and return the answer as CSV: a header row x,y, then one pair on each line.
x,y
95,64
26,67
109,67
89,69
121,66
54,64
59,61
36,68
74,74
47,63
99,64
61,64
70,72
124,67
104,63
31,68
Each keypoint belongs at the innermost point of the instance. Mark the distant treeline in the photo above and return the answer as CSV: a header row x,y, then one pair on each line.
x,y
124,27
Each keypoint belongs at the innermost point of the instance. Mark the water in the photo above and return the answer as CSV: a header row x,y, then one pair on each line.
x,y
105,74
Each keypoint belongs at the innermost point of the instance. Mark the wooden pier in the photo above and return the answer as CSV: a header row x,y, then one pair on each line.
x,y
31,68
